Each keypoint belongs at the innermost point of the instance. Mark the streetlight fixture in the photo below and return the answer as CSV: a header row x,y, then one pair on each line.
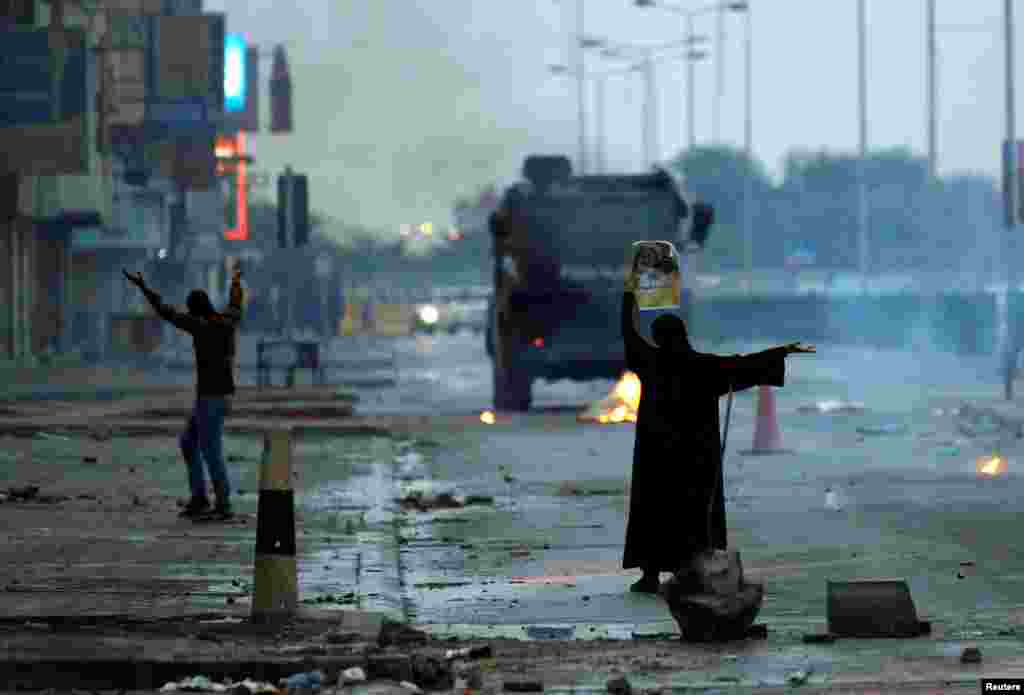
x,y
646,57
733,6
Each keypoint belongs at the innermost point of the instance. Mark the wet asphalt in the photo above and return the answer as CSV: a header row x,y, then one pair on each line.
x,y
545,558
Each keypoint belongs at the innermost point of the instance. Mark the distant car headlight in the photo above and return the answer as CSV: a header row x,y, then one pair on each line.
x,y
429,314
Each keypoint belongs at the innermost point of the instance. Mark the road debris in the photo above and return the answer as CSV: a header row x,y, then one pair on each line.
x,y
307,682
971,655
882,429
619,685
251,687
195,684
351,675
396,634
832,407
484,652
832,501
799,676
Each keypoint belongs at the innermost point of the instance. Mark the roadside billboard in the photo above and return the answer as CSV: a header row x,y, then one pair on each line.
x,y
44,101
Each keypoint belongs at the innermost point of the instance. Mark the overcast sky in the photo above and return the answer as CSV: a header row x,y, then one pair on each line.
x,y
400,105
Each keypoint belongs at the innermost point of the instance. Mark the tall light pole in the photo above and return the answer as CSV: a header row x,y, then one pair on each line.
x,y
691,87
651,120
932,91
719,72
720,7
862,201
1011,196
599,106
577,44
748,138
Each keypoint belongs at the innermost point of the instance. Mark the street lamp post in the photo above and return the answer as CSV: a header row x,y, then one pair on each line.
x,y
862,195
580,92
932,91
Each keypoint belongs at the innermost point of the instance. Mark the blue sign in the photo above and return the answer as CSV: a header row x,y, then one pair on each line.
x,y
30,93
234,73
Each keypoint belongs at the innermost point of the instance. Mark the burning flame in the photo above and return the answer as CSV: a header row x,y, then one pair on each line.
x,y
620,405
487,417
992,466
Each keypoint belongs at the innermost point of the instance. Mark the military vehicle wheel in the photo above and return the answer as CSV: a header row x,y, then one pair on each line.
x,y
512,388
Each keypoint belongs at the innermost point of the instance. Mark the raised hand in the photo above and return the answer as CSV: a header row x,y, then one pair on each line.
x,y
800,348
134,278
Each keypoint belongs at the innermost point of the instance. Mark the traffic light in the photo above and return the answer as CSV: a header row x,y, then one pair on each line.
x,y
292,209
300,209
283,218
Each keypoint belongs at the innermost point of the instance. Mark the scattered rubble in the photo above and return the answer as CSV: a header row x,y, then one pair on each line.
x,y
971,655
619,685
351,675
837,407
397,634
799,676
302,682
30,493
882,429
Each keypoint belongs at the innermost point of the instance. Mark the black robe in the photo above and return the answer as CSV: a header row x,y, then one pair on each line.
x,y
678,453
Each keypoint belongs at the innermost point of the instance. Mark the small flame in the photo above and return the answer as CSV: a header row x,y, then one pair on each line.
x,y
992,467
619,406
487,417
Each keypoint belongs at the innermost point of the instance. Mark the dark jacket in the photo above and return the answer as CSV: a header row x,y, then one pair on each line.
x,y
677,455
214,339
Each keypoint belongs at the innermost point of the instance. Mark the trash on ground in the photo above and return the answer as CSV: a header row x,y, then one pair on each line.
x,y
833,503
30,493
799,677
484,652
971,655
195,684
392,633
619,685
467,676
427,495
882,430
549,632
50,435
339,637
837,407
352,675
310,680
251,687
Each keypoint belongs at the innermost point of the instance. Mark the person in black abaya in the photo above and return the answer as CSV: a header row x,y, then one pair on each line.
x,y
677,457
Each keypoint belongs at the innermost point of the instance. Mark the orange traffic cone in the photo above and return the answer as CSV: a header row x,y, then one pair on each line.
x,y
767,439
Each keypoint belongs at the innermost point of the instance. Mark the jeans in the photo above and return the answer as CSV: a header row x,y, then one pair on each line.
x,y
202,441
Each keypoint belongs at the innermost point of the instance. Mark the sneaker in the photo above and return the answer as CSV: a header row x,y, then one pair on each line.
x,y
220,512
195,507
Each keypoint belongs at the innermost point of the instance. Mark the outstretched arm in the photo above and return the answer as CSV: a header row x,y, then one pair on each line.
x,y
639,352
179,319
764,368
233,312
